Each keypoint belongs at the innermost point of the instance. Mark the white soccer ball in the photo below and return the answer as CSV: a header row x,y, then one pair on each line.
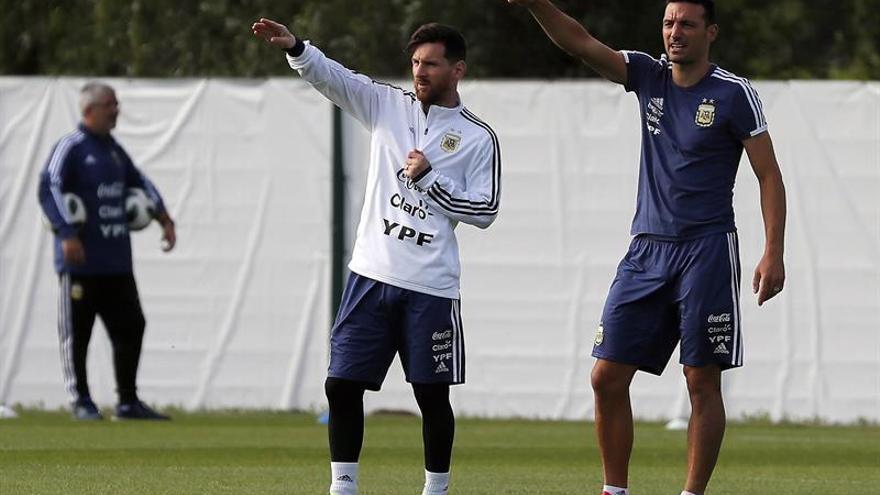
x,y
75,211
139,209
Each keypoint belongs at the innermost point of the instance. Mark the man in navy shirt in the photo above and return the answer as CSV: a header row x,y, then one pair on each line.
x,y
93,260
680,279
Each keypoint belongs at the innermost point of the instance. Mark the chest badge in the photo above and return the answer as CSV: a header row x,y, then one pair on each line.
x,y
116,158
705,113
450,142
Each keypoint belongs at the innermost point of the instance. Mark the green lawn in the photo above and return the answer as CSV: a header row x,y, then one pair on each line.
x,y
275,453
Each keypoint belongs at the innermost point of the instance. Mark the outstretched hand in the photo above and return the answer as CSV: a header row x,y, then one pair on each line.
x,y
274,33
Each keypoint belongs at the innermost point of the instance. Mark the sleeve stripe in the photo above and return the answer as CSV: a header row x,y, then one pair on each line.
x,y
464,211
750,93
496,155
55,162
59,203
446,200
758,118
458,205
759,130
748,86
411,95
61,150
627,53
464,206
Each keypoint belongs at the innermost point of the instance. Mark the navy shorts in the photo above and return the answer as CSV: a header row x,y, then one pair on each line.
x,y
666,291
377,321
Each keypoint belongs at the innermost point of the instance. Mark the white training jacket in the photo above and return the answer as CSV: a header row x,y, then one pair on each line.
x,y
406,235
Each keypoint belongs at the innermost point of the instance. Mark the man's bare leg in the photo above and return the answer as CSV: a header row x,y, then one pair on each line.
x,y
706,427
614,422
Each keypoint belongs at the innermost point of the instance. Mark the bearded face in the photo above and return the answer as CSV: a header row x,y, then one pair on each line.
x,y
435,78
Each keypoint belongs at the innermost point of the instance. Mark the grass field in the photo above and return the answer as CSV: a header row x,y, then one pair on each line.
x,y
275,453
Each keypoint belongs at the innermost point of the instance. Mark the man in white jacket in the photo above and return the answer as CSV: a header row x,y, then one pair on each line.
x,y
433,164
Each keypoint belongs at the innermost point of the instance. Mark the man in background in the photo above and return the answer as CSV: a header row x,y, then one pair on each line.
x,y
93,260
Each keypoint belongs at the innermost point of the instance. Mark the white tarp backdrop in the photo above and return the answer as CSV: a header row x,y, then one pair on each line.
x,y
238,313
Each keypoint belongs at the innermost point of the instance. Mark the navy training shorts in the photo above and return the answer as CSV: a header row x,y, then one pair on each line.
x,y
666,291
377,320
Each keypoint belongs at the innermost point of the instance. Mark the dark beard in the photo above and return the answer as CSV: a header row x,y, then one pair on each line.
x,y
428,98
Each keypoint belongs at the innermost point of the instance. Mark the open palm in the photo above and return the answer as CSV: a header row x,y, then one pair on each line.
x,y
274,33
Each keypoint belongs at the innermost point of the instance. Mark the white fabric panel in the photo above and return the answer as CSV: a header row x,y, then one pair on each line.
x,y
533,285
237,315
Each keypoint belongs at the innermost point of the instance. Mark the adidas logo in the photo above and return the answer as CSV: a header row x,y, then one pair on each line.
x,y
90,160
346,478
721,349
441,368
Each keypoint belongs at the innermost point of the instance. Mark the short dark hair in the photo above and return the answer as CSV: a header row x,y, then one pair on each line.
x,y
708,8
448,36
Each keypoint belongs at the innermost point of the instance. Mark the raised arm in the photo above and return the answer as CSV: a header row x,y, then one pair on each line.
x,y
355,93
769,277
575,40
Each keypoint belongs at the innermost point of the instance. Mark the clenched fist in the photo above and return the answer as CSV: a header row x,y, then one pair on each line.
x,y
416,163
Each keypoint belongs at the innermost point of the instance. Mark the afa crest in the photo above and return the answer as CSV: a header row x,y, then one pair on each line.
x,y
705,113
600,335
450,142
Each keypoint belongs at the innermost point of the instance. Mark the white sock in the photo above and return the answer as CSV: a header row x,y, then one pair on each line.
x,y
344,478
436,483
685,492
615,490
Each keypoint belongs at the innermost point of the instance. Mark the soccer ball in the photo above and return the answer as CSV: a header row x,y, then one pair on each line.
x,y
75,209
139,209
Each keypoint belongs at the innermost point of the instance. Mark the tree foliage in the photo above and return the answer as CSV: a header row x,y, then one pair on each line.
x,y
783,39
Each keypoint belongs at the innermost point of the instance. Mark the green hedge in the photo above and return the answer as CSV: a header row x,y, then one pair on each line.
x,y
783,39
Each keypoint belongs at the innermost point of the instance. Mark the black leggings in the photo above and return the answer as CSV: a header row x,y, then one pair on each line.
x,y
346,428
